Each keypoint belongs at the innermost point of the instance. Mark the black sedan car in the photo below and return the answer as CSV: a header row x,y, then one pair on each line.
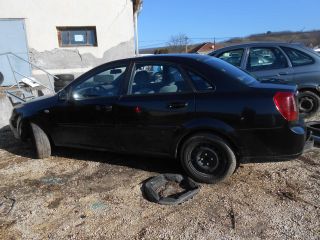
x,y
284,63
201,110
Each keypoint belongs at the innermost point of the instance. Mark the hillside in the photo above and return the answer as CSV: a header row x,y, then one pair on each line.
x,y
309,38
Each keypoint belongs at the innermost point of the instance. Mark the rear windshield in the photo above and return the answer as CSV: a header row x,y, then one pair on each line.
x,y
231,70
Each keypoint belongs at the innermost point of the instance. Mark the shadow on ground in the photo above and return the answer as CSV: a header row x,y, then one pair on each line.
x,y
146,163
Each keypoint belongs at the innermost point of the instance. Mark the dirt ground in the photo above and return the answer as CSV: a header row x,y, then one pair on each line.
x,y
78,194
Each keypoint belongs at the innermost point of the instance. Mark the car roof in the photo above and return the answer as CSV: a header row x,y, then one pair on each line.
x,y
181,58
172,57
266,43
259,44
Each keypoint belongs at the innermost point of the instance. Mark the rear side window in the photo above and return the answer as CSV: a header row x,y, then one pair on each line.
x,y
297,57
233,57
157,78
199,82
261,58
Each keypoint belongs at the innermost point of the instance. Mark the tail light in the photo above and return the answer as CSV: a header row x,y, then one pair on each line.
x,y
286,104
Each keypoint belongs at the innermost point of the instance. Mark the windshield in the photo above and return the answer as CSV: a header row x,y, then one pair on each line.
x,y
231,70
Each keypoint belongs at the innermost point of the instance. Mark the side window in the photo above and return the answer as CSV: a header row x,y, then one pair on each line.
x,y
157,78
199,82
266,59
297,57
233,57
103,84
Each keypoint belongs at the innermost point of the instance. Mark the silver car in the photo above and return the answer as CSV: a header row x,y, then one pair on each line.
x,y
276,62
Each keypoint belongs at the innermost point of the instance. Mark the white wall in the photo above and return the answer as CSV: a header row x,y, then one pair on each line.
x,y
113,20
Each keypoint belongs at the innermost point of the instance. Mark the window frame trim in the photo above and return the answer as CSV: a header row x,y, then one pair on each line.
x,y
68,29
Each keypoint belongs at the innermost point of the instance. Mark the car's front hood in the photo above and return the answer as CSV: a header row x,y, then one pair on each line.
x,y
37,104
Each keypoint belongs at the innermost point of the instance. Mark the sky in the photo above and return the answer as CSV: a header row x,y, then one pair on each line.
x,y
204,20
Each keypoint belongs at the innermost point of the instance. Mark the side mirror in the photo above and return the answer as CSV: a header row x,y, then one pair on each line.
x,y
63,95
115,71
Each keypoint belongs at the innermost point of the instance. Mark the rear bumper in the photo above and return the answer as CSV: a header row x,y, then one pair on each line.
x,y
279,144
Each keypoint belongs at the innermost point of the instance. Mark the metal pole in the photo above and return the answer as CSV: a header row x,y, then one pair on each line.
x,y
136,33
14,75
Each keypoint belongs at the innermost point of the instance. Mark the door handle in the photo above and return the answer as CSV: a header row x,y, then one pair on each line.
x,y
176,105
108,108
283,73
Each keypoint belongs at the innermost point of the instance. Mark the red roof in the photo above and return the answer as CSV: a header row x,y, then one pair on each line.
x,y
204,48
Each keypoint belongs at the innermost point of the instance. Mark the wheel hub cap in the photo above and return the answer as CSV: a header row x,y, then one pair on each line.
x,y
207,159
306,104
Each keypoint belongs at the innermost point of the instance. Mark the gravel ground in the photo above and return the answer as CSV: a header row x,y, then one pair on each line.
x,y
79,194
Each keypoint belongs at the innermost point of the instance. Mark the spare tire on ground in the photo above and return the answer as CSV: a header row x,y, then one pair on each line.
x,y
170,189
65,77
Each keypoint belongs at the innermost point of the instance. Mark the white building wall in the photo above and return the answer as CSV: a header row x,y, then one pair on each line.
x,y
113,20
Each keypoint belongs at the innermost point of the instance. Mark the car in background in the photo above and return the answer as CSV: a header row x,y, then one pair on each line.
x,y
208,114
284,63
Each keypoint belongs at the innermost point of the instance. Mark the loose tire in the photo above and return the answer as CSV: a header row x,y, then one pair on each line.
x,y
62,80
41,141
207,158
309,103
65,77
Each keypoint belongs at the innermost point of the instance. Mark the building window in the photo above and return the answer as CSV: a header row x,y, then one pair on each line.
x,y
77,36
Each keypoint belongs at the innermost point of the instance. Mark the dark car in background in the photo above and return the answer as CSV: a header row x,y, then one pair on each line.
x,y
283,63
201,110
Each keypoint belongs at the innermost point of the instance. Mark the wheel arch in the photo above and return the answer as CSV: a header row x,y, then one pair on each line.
x,y
313,89
233,143
25,130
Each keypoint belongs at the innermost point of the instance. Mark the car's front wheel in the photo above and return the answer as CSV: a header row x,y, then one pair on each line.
x,y
207,158
309,103
41,142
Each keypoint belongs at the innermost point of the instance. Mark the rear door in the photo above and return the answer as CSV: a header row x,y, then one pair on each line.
x,y
158,102
306,72
268,63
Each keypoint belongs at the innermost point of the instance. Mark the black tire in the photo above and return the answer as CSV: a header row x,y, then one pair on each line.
x,y
41,141
309,103
1,78
207,158
61,83
57,89
64,77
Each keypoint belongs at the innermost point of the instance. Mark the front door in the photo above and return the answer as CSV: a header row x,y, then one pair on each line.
x,y
152,115
88,119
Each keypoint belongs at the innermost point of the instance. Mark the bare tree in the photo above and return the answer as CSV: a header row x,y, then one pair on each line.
x,y
179,43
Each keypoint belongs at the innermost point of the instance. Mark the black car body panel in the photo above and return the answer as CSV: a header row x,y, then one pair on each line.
x,y
235,107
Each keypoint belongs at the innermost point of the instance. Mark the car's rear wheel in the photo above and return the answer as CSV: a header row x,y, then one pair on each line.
x,y
207,158
309,103
41,142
